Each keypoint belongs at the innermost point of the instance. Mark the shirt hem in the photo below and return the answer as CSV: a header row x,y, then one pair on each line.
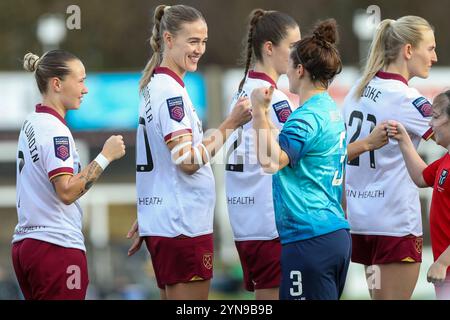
x,y
283,242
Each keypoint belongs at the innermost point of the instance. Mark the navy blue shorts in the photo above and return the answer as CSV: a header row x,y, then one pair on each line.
x,y
316,268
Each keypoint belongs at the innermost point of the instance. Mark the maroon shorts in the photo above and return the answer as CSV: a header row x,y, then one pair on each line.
x,y
181,259
260,260
46,271
374,249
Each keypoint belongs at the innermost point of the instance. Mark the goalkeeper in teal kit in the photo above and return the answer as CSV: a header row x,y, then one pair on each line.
x,y
309,160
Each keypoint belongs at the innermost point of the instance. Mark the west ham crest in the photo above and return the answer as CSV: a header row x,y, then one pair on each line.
x,y
208,260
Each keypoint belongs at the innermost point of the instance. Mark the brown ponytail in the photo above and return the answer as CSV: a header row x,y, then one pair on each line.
x,y
264,26
254,17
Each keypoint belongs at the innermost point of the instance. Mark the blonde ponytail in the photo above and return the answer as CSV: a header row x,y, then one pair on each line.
x,y
155,43
390,36
376,59
30,62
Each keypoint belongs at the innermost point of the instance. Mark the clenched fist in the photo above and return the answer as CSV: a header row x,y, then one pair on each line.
x,y
261,98
114,148
241,113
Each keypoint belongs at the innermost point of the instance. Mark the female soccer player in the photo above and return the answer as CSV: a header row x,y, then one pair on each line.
x,y
382,202
435,175
175,184
270,36
48,249
309,159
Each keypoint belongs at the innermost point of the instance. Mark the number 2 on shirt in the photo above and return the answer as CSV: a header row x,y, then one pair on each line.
x,y
373,122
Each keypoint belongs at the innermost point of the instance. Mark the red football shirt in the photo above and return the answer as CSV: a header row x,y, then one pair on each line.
x,y
436,175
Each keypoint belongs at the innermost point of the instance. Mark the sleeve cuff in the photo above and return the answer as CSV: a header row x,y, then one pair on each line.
x,y
427,135
428,178
60,171
177,134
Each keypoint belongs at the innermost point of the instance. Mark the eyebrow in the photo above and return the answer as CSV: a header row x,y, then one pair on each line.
x,y
196,38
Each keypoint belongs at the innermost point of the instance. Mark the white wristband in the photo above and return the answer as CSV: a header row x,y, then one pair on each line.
x,y
102,161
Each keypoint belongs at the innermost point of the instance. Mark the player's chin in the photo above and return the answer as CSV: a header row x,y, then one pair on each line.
x,y
425,73
191,67
75,106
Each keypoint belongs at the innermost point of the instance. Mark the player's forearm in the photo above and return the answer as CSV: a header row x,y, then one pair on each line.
x,y
216,140
274,130
213,142
71,189
444,258
268,149
355,149
413,161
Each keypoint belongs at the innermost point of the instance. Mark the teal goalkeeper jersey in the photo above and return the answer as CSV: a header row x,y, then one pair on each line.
x,y
307,193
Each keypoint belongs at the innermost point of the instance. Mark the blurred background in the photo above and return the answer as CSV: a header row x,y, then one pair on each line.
x,y
111,38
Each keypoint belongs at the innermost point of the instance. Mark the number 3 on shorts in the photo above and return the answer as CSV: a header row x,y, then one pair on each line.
x,y
297,289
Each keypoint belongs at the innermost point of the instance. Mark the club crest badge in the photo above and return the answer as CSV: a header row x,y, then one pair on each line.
x,y
62,147
419,244
443,177
208,260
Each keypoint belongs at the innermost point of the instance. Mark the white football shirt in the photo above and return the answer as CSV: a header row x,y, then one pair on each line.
x,y
381,197
248,188
46,149
169,201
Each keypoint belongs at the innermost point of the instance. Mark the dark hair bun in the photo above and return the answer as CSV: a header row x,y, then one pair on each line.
x,y
326,31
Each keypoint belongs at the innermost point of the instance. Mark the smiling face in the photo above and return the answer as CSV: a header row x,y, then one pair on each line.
x,y
440,121
183,50
72,87
423,56
282,51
